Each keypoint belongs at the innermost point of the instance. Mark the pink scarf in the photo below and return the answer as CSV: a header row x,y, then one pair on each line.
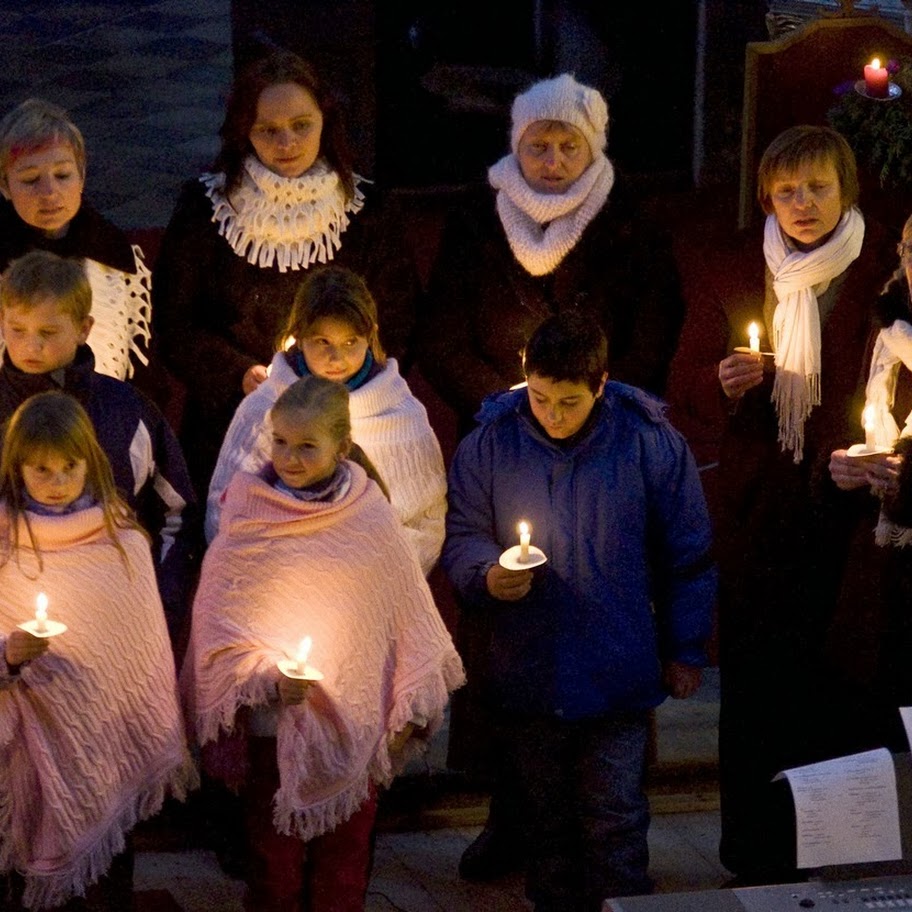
x,y
91,736
342,573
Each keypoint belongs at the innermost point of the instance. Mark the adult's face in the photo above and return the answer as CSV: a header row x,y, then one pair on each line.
x,y
286,131
552,155
808,202
45,187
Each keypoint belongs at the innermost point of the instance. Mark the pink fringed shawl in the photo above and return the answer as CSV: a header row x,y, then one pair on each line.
x,y
91,736
342,573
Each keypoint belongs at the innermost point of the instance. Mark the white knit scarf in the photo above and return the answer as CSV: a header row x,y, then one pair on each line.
x,y
290,221
797,276
892,349
542,228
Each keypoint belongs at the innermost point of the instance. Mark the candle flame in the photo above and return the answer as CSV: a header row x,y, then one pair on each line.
x,y
875,63
867,418
753,331
523,528
304,651
41,606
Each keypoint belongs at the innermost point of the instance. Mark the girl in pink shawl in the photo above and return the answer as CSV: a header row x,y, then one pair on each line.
x,y
91,736
309,548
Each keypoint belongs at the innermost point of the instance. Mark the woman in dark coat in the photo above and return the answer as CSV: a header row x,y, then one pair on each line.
x,y
560,232
785,527
282,199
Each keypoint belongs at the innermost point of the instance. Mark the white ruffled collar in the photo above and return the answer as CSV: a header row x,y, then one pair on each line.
x,y
287,222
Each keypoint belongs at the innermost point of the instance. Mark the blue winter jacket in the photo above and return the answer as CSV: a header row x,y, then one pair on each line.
x,y
628,584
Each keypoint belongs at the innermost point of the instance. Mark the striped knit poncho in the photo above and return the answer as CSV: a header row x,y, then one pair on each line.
x,y
91,735
343,574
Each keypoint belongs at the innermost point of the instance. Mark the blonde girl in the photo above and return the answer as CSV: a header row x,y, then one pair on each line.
x,y
332,332
91,738
309,547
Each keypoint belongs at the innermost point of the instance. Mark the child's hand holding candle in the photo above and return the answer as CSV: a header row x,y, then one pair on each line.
x,y
22,647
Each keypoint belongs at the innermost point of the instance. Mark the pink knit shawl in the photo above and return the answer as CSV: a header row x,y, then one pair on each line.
x,y
342,573
91,736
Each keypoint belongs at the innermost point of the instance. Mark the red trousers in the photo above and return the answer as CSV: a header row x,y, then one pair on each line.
x,y
286,874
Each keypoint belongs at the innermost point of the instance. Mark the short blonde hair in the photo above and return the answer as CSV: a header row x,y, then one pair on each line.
x,y
33,125
39,276
800,145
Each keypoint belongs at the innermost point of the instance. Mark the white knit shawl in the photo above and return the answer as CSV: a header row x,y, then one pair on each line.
x,y
388,423
542,228
91,735
290,221
281,569
798,276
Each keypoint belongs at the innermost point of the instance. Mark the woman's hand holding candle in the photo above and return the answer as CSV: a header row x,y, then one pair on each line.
x,y
740,372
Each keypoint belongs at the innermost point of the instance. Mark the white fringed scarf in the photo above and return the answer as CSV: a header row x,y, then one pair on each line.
x,y
797,278
892,349
122,308
291,222
542,228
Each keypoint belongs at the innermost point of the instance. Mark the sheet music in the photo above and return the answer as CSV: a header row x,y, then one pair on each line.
x,y
846,810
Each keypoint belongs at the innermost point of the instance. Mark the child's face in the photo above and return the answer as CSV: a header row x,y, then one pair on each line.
x,y
54,480
42,338
561,407
303,450
332,349
45,188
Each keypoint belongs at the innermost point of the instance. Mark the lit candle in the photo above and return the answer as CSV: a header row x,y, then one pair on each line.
x,y
867,419
753,331
525,536
303,653
877,79
41,613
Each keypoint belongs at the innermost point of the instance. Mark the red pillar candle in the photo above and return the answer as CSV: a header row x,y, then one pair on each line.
x,y
877,79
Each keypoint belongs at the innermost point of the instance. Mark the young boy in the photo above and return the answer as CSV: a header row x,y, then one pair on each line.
x,y
45,304
584,646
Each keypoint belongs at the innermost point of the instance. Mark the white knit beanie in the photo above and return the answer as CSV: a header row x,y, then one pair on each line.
x,y
562,98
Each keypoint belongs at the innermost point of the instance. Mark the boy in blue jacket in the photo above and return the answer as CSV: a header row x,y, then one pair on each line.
x,y
584,646
45,316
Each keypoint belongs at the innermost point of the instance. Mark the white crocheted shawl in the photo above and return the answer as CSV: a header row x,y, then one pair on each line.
x,y
91,735
289,222
281,569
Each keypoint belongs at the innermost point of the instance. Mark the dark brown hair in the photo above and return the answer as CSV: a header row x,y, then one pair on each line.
x,y
278,68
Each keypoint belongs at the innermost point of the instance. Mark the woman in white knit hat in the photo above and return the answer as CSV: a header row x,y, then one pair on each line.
x,y
555,230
